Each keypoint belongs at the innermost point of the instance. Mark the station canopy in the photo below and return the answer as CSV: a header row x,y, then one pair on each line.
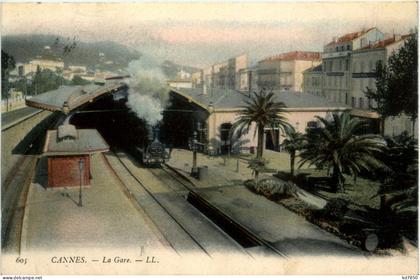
x,y
68,98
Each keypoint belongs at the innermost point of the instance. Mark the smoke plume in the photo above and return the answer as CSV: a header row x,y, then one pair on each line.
x,y
147,93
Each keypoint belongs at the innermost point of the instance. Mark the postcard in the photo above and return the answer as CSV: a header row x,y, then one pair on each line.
x,y
239,138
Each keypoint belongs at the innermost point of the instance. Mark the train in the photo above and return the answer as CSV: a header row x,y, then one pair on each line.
x,y
156,152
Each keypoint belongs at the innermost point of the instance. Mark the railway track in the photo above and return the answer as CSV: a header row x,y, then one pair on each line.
x,y
181,187
16,184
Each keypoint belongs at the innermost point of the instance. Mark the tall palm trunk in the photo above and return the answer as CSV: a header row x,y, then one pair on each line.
x,y
292,162
337,180
260,146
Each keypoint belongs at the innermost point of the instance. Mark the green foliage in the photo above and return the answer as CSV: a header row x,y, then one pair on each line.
x,y
335,209
396,83
71,50
402,153
272,189
263,110
403,80
44,81
293,142
338,147
77,80
7,65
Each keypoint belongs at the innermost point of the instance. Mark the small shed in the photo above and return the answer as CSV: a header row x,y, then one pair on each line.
x,y
66,148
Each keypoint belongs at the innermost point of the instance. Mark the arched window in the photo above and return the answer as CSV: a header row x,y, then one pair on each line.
x,y
224,131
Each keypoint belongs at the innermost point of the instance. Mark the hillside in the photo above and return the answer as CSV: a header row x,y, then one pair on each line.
x,y
100,55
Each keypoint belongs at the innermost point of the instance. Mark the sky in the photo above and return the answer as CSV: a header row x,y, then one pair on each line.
x,y
199,34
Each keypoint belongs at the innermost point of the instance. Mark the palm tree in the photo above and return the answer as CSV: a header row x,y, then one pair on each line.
x,y
263,110
338,146
293,142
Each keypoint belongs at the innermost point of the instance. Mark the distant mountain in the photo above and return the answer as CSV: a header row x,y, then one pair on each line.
x,y
105,55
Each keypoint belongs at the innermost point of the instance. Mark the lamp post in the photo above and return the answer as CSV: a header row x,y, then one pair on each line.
x,y
81,166
194,147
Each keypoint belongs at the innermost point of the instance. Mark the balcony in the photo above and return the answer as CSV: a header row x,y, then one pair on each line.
x,y
336,54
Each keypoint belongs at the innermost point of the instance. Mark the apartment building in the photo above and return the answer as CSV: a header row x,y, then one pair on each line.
x,y
223,75
337,61
364,61
284,71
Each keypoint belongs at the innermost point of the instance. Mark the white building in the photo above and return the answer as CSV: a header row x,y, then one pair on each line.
x,y
337,60
285,71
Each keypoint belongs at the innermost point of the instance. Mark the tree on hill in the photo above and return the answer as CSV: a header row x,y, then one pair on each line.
x,y
7,65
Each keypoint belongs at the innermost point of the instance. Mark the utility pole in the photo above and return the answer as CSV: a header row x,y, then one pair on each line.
x,y
194,171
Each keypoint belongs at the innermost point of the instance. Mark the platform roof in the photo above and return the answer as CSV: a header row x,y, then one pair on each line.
x,y
88,141
228,99
75,96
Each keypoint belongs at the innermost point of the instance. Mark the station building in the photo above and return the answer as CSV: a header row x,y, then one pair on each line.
x,y
215,110
68,151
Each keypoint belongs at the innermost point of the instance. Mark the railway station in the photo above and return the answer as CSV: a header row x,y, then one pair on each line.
x,y
188,212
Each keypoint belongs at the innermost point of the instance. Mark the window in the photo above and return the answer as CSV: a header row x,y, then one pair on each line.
x,y
347,65
342,48
224,131
347,98
361,103
348,47
353,102
340,65
336,48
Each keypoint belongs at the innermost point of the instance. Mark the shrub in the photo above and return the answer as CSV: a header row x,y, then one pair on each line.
x,y
335,209
271,188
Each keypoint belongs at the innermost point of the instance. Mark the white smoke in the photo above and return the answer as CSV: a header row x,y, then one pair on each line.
x,y
147,93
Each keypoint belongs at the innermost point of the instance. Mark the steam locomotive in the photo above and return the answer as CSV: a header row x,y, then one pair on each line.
x,y
155,152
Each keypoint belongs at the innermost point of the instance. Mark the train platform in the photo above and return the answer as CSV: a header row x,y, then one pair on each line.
x,y
108,220
219,171
288,232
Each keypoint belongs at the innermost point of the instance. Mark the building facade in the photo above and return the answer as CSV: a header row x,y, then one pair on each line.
x,y
285,71
337,63
313,81
223,75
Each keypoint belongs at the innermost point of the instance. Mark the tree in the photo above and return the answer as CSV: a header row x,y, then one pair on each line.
x,y
341,148
7,65
403,79
293,142
45,80
396,84
263,110
77,80
383,101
